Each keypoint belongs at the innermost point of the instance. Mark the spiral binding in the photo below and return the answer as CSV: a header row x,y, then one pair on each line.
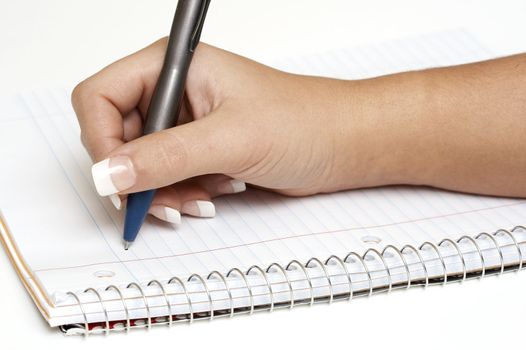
x,y
366,269
108,326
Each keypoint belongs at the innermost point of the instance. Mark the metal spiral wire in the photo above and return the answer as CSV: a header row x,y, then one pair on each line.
x,y
276,269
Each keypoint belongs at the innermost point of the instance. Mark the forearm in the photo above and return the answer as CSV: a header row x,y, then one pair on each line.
x,y
461,128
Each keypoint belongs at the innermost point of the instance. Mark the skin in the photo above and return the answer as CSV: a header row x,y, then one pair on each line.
x,y
461,128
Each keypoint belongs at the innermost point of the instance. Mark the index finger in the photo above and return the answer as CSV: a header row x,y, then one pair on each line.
x,y
102,100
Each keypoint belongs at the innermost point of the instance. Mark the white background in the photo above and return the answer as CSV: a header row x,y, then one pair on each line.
x,y
57,43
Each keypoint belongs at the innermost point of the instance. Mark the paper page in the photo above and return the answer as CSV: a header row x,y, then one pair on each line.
x,y
69,236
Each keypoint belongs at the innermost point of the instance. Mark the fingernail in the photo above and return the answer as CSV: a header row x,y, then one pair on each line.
x,y
116,201
203,209
231,186
113,175
166,214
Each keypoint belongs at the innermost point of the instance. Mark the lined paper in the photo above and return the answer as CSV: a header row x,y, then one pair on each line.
x,y
67,234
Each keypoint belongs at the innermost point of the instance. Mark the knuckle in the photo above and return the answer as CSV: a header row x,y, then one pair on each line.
x,y
77,93
172,152
83,93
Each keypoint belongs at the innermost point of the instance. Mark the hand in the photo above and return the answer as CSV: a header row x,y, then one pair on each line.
x,y
241,122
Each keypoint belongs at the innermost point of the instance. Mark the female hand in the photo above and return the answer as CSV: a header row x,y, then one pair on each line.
x,y
241,122
454,127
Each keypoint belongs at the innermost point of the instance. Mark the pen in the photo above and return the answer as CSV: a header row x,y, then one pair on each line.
x,y
167,97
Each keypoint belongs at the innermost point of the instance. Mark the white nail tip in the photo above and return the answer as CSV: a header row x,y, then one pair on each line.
x,y
231,186
238,186
204,209
116,201
101,177
172,215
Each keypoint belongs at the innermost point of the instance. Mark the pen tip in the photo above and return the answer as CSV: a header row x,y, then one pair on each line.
x,y
127,245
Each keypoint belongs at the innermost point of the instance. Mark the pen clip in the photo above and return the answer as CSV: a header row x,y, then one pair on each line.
x,y
196,35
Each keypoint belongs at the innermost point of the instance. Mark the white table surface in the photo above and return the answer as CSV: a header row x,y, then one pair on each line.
x,y
57,43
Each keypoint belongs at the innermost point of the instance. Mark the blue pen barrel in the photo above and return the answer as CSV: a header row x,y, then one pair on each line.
x,y
136,210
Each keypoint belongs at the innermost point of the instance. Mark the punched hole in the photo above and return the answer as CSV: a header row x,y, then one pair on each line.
x,y
104,274
371,239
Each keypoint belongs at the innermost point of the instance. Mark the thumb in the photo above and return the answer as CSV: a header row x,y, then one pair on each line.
x,y
214,144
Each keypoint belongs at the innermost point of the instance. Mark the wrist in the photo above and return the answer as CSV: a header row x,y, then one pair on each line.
x,y
382,131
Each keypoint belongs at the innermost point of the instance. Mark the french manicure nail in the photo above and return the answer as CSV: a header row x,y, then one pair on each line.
x,y
113,175
203,209
166,213
116,201
231,186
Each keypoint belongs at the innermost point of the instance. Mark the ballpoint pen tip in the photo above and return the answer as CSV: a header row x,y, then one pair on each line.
x,y
127,245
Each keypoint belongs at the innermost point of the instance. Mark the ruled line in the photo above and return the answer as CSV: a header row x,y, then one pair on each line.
x,y
289,237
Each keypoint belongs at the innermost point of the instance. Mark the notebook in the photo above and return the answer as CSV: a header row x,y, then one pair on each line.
x,y
262,251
